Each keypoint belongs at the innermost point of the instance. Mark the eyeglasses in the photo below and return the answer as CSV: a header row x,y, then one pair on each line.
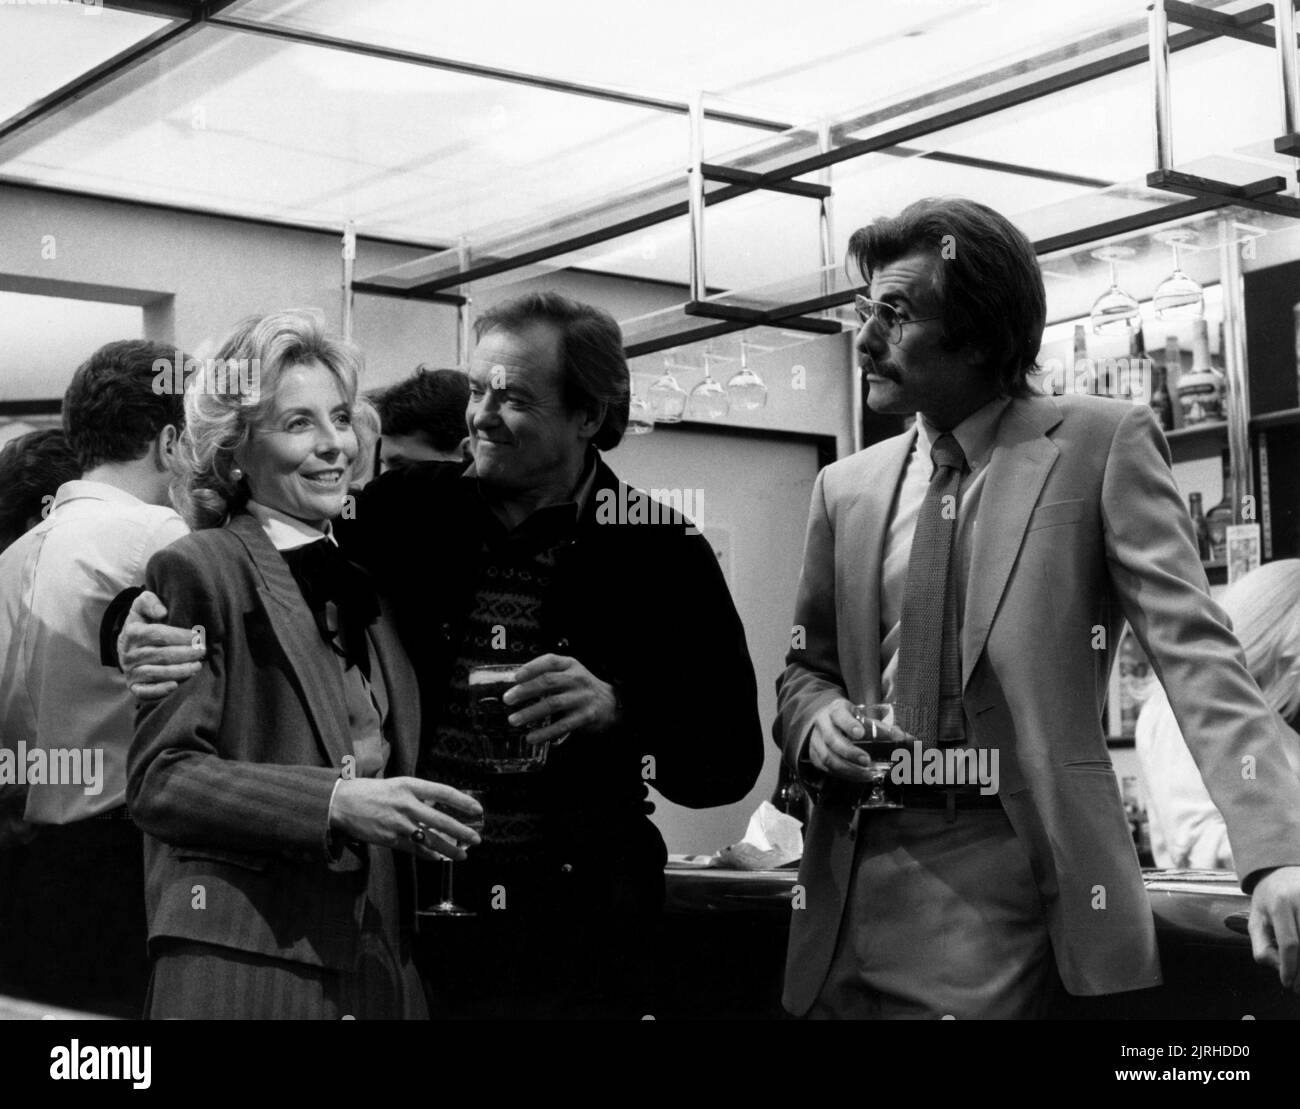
x,y
886,315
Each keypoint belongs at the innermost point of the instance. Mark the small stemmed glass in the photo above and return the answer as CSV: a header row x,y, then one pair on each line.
x,y
1115,311
1178,297
447,905
708,399
667,398
746,391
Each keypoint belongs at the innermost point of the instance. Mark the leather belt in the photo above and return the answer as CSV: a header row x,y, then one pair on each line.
x,y
840,792
951,799
937,797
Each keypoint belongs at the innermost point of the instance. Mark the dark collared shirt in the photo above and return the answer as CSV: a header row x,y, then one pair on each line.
x,y
547,524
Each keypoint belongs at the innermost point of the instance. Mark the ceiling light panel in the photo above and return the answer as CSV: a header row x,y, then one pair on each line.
x,y
251,125
45,46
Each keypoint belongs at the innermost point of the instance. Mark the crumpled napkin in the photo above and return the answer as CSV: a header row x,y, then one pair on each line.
x,y
771,840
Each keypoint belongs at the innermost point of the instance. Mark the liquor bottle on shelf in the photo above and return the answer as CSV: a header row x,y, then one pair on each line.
x,y
1219,518
1136,813
1133,383
1296,313
1081,378
1201,391
1173,367
1161,405
1199,526
1265,498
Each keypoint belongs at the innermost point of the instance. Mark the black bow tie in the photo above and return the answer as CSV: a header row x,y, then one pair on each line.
x,y
324,575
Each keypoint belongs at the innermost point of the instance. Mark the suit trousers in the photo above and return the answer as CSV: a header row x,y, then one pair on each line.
x,y
72,919
941,920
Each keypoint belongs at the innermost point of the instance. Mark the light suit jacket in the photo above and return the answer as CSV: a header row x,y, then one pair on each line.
x,y
1080,526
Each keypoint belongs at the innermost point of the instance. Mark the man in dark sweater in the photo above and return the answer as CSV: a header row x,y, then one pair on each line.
x,y
524,558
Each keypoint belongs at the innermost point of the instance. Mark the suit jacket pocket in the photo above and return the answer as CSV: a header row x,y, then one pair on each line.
x,y
302,913
1094,766
220,855
1056,514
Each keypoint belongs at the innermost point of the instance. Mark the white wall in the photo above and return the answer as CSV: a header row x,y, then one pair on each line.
x,y
754,495
43,339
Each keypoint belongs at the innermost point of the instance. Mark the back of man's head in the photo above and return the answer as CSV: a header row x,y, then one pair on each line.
x,y
32,467
113,411
429,403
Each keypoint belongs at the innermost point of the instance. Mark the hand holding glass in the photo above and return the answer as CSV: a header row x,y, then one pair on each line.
x,y
447,906
504,747
882,738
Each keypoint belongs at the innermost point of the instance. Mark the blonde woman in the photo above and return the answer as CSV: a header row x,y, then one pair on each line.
x,y
274,785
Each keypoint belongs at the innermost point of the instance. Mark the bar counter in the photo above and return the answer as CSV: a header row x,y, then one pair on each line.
x,y
726,932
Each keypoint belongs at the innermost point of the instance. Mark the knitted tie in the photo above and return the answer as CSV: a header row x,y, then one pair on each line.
x,y
928,689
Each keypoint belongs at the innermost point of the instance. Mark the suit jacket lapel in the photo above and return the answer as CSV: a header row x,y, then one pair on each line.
x,y
1022,458
403,695
295,630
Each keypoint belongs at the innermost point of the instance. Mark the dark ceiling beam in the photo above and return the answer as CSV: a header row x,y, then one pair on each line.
x,y
1023,94
993,166
1120,58
187,19
494,73
1244,25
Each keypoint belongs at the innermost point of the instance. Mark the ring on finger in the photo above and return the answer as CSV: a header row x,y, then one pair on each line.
x,y
419,835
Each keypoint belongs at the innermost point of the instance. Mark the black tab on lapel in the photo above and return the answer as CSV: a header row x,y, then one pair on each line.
x,y
295,630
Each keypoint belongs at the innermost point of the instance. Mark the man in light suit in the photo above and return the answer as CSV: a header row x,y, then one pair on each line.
x,y
1041,524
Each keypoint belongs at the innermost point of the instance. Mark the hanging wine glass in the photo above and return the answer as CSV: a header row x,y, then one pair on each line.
x,y
640,418
1115,312
667,398
746,391
1178,297
708,399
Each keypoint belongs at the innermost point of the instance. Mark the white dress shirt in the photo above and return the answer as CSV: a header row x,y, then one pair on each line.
x,y
976,435
55,694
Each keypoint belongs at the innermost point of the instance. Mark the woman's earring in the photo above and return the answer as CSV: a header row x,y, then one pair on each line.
x,y
236,474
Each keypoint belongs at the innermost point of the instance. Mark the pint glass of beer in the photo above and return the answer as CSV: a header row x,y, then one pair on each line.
x,y
504,749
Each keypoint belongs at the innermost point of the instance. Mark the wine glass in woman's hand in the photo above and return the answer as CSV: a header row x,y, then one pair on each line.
x,y
446,905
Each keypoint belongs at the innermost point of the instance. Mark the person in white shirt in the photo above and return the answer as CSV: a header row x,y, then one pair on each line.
x,y
1187,830
72,925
